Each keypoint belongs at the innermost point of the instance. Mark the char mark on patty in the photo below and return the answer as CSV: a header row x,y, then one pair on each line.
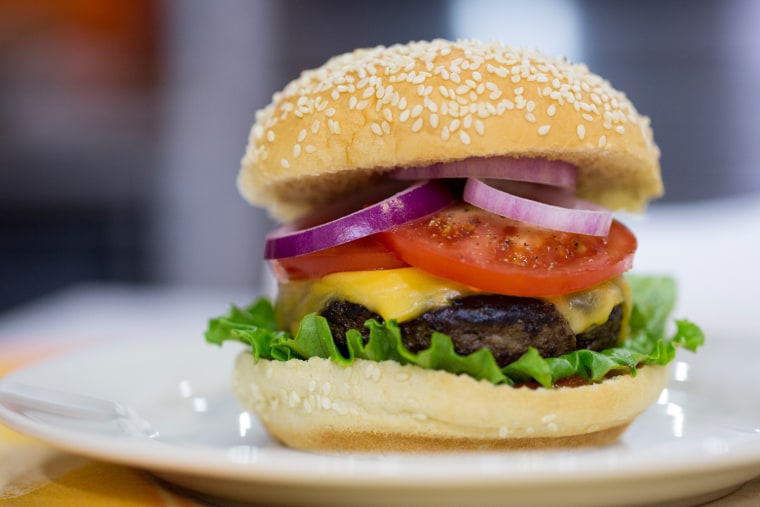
x,y
506,325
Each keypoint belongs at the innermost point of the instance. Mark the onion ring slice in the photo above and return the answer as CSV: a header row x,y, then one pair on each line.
x,y
556,173
409,204
563,212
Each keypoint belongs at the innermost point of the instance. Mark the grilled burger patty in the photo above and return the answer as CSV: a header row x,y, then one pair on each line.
x,y
506,325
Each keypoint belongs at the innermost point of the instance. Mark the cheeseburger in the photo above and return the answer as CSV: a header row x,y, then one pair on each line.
x,y
450,272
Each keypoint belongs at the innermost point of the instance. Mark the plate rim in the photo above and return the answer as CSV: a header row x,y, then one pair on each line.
x,y
187,460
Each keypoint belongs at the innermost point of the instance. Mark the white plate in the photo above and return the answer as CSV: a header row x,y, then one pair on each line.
x,y
701,440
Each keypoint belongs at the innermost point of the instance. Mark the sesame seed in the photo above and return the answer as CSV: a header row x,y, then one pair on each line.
x,y
476,90
464,137
312,385
284,163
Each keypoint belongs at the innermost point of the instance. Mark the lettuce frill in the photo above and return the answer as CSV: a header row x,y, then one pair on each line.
x,y
647,343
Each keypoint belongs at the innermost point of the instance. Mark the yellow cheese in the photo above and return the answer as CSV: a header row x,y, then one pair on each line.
x,y
405,293
592,307
399,294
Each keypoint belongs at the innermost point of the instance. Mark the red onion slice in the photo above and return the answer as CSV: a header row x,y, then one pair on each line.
x,y
567,212
414,202
556,173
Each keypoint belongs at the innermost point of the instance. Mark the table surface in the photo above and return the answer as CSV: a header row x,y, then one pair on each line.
x,y
704,245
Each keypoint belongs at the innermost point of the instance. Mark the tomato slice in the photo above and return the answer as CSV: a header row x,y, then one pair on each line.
x,y
496,254
362,254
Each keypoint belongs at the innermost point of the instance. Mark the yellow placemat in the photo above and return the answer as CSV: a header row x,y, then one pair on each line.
x,y
33,474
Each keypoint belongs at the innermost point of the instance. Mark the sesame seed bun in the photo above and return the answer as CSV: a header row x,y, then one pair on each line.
x,y
339,127
386,406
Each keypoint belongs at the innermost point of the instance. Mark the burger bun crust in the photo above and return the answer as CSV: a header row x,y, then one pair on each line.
x,y
340,127
370,406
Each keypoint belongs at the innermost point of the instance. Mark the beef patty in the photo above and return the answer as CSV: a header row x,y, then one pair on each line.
x,y
506,325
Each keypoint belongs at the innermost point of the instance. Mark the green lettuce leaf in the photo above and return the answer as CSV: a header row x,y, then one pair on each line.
x,y
647,342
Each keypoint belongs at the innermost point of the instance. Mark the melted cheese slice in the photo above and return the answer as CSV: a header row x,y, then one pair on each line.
x,y
405,293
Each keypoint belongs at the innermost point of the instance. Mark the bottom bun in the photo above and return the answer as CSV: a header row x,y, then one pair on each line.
x,y
385,406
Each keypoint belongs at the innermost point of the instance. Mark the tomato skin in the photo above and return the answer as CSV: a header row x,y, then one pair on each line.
x,y
366,253
496,254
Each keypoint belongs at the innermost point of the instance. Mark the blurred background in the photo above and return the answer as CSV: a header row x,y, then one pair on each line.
x,y
122,122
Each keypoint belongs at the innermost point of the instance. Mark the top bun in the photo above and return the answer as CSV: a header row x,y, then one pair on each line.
x,y
339,127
